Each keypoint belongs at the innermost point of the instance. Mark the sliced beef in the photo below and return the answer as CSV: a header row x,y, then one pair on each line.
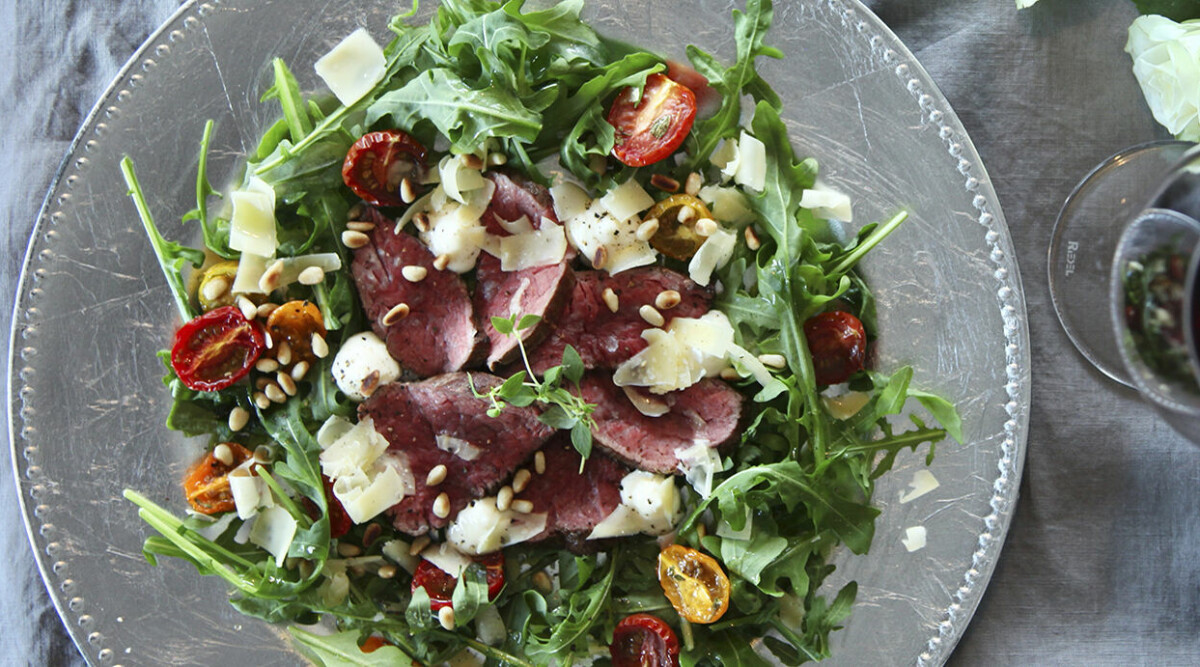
x,y
706,412
439,334
604,338
427,421
574,502
541,291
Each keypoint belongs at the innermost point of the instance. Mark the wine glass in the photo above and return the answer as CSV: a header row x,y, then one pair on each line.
x,y
1123,261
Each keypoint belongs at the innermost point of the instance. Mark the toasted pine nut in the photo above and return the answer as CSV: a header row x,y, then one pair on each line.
x,y
283,354
355,212
249,310
348,550
701,530
215,288
387,570
647,229
472,161
440,262
446,617
397,313
406,191
497,159
354,240
418,545
541,581
773,360
319,346
274,393
664,183
299,370
286,383
265,310
238,418
693,184
707,226
539,463
610,299
521,480
371,534
261,400
667,299
414,273
223,453
651,315
360,226
685,213
436,476
504,498
270,279
266,365
313,275
752,241
522,506
421,220
600,259
441,506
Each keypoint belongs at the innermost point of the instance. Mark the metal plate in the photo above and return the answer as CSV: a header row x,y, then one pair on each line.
x,y
87,403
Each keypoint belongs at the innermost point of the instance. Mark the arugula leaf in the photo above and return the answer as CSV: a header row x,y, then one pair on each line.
x,y
341,649
216,232
1176,10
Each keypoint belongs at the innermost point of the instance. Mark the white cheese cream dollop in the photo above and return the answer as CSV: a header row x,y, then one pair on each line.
x,y
650,504
362,365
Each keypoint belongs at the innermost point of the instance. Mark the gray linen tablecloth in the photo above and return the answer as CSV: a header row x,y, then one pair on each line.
x,y
1101,565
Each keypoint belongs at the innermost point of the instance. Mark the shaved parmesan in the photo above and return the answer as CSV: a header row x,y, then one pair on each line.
x,y
252,224
827,203
244,488
447,559
626,200
751,163
688,350
398,551
596,232
250,271
353,67
914,538
543,247
521,225
727,204
365,479
569,200
457,446
333,428
456,233
922,482
847,405
458,179
482,527
273,531
699,463
364,502
715,252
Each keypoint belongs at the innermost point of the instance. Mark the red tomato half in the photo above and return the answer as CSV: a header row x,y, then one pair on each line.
x,y
378,161
656,125
440,586
216,349
642,640
838,345
707,98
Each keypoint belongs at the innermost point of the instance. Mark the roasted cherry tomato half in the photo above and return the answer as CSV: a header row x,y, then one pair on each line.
x,y
207,482
339,521
674,238
694,583
295,322
440,585
216,349
374,643
654,126
213,291
708,100
838,345
642,640
378,161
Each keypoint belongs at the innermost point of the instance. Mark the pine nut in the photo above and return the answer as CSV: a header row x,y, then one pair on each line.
x,y
730,374
504,498
266,365
773,360
541,581
306,568
497,159
521,480
284,353
249,310
472,161
406,191
354,240
214,288
397,313
348,550
651,315
418,545
446,617
693,184
238,418
414,273
269,340
319,346
274,393
387,570
610,299
313,275
371,534
261,401
421,220
667,299
522,506
286,383
539,463
440,262
436,476
271,278
441,506
600,259
299,370
261,383
360,226
223,453
264,311
752,241
706,227
685,214
647,229
355,212
664,183
701,530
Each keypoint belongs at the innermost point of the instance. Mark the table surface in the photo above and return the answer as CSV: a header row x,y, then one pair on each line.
x,y
1100,565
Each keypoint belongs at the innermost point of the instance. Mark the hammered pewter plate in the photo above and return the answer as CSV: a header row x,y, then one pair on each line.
x,y
88,405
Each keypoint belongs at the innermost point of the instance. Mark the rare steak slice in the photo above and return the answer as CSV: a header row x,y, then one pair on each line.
x,y
705,413
574,502
438,335
439,421
605,338
541,291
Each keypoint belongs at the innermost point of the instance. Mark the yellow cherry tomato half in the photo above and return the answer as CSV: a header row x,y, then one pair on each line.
x,y
213,291
694,583
677,216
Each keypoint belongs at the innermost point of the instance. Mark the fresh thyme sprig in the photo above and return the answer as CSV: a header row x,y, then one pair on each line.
x,y
564,410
